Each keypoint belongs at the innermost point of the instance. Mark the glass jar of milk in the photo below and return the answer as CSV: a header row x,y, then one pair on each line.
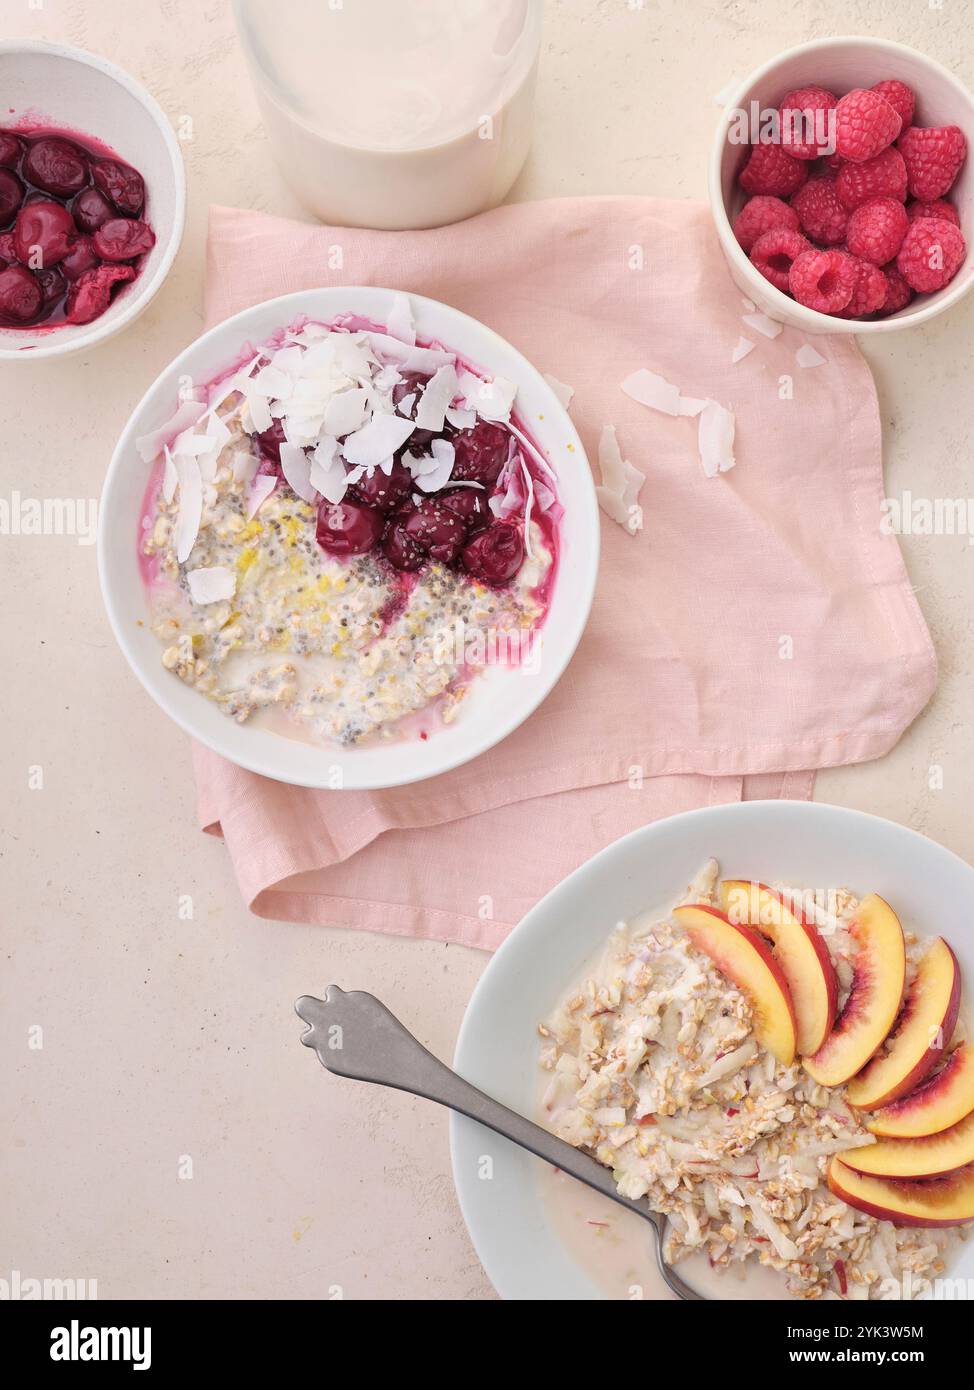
x,y
395,113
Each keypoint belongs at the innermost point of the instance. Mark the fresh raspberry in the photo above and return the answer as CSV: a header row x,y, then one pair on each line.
x,y
770,170
900,97
823,280
869,291
933,155
876,230
760,215
931,253
865,124
820,213
898,292
773,253
804,113
938,208
882,177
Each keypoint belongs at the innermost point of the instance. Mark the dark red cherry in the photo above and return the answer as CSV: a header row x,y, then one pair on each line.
x,y
387,492
11,196
347,528
52,283
21,298
121,183
470,503
270,441
56,165
398,546
90,209
495,555
480,453
11,148
122,238
413,383
437,530
7,251
80,258
43,234
91,294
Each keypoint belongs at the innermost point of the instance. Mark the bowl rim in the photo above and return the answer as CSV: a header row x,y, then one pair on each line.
x,y
145,289
287,307
466,1135
813,320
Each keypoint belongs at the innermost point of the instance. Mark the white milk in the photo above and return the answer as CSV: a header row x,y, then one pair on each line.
x,y
395,113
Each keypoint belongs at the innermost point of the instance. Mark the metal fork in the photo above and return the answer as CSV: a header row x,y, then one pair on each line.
x,y
355,1035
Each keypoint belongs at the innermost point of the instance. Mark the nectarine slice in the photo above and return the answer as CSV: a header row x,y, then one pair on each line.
x,y
798,949
934,1106
947,1201
746,960
929,1157
874,1000
923,1033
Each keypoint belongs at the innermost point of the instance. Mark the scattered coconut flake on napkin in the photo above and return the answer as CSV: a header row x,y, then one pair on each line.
x,y
654,391
762,323
211,584
807,356
715,439
621,483
741,350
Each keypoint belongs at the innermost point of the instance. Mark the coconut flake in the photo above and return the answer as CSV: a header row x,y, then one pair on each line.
x,y
296,467
563,392
437,395
327,474
437,477
460,418
741,350
244,465
260,489
406,403
378,440
149,445
715,439
621,482
692,405
761,323
492,400
400,321
528,507
170,478
211,585
807,356
190,511
654,391
413,359
345,412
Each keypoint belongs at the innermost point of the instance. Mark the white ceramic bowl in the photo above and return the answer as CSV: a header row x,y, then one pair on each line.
x,y
840,65
803,843
49,84
500,698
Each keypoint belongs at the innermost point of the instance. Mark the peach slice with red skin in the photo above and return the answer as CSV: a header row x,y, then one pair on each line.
x,y
879,972
929,1157
798,949
745,958
923,1033
933,1107
946,1201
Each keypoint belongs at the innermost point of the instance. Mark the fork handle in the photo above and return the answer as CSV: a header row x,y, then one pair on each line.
x,y
356,1036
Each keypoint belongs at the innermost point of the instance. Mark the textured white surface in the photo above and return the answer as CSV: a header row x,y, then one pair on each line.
x,y
166,1037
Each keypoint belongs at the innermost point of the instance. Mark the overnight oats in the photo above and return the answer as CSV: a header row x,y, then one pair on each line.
x,y
345,532
787,1081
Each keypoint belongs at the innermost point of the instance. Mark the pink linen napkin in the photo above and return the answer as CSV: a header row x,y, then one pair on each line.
x,y
759,624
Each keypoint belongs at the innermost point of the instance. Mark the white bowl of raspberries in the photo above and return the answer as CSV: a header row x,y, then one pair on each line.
x,y
841,188
92,200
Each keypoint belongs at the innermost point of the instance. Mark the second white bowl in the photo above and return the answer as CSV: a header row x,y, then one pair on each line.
x,y
841,65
